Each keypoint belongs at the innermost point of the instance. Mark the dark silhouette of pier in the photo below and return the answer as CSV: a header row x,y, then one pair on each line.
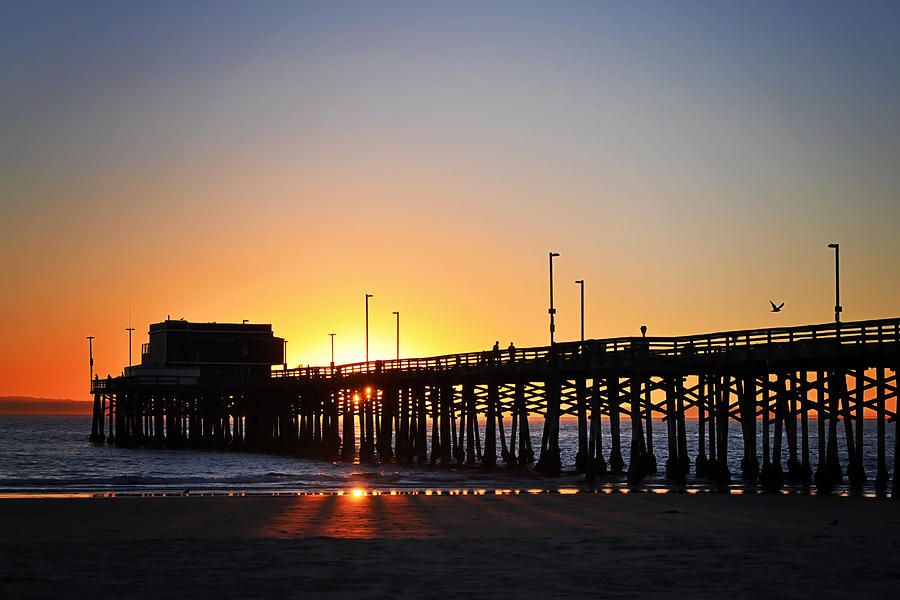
x,y
784,384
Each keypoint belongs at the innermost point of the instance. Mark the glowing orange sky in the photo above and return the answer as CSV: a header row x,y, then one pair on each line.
x,y
281,165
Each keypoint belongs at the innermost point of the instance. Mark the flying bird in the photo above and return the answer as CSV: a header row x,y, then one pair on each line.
x,y
776,308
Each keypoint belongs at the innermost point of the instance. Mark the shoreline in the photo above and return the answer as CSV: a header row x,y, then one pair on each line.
x,y
358,491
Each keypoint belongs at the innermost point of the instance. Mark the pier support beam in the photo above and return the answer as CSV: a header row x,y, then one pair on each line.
x,y
674,472
750,462
470,421
388,417
437,441
421,432
648,418
895,490
549,462
846,413
881,475
401,449
712,418
616,462
458,452
97,421
858,476
794,471
582,456
638,463
596,463
348,445
526,452
821,417
701,464
830,475
684,461
805,465
447,429
723,473
490,428
504,453
773,477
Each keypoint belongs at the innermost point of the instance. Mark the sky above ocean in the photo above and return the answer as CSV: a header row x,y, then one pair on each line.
x,y
276,161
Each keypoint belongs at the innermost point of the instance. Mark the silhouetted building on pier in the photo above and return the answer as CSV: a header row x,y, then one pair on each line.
x,y
223,353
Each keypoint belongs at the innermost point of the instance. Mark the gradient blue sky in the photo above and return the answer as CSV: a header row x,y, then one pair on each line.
x,y
276,160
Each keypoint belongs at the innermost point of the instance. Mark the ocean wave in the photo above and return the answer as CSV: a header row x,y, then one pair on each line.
x,y
269,480
144,480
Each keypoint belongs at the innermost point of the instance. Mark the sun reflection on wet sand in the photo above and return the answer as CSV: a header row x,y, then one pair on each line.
x,y
357,513
50,495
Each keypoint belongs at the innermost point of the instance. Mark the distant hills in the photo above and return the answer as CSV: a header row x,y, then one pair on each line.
x,y
23,405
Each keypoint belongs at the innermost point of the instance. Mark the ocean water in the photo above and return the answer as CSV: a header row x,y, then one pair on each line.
x,y
52,455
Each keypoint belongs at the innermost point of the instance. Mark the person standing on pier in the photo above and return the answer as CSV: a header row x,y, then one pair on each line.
x,y
512,353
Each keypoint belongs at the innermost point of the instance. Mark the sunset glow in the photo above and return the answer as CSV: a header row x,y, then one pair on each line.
x,y
690,165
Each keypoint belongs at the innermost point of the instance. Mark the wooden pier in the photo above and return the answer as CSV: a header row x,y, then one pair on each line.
x,y
784,385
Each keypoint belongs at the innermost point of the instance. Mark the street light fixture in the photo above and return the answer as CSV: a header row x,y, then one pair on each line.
x,y
580,282
129,330
837,282
367,329
90,340
332,349
397,312
552,310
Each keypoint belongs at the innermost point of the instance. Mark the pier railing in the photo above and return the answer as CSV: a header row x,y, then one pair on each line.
x,y
828,337
99,385
835,336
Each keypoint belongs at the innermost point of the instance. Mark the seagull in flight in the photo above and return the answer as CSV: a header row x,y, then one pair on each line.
x,y
776,308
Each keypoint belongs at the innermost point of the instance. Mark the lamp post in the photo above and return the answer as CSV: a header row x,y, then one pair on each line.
x,y
332,349
367,329
129,330
397,312
580,282
552,310
90,340
285,354
837,282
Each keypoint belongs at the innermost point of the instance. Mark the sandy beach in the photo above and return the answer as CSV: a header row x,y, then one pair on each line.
x,y
417,546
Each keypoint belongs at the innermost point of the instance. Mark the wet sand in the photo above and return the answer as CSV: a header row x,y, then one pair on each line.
x,y
417,546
